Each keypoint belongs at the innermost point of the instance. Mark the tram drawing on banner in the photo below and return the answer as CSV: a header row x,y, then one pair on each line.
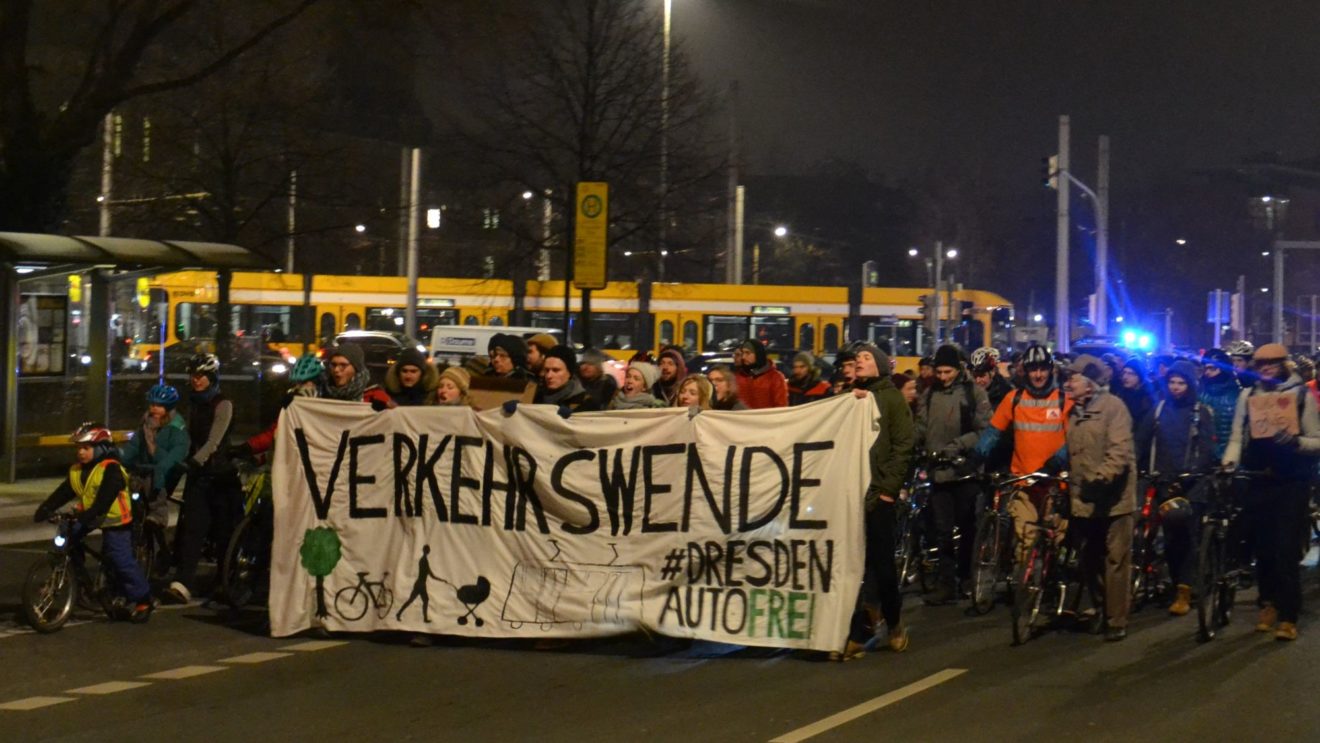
x,y
555,592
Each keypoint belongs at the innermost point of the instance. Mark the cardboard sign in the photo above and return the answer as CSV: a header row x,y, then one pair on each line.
x,y
1271,413
487,393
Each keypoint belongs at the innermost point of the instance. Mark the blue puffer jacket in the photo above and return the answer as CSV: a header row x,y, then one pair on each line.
x,y
1220,395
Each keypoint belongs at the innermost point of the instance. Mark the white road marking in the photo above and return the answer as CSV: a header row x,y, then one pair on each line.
x,y
183,672
314,645
255,657
20,631
866,708
31,703
109,687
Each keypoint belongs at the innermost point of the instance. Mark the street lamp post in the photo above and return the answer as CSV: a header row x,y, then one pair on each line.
x,y
664,142
936,279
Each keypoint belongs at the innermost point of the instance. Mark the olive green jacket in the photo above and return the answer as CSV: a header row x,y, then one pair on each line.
x,y
891,454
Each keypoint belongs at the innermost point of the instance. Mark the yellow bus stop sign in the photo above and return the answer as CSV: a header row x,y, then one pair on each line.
x,y
589,235
143,292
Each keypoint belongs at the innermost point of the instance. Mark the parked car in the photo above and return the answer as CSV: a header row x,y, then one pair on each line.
x,y
380,348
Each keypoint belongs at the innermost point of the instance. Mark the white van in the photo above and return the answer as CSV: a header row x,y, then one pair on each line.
x,y
454,344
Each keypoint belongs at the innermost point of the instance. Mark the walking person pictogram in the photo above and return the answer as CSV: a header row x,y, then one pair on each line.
x,y
419,587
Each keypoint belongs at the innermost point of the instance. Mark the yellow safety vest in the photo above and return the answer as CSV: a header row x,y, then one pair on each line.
x,y
121,511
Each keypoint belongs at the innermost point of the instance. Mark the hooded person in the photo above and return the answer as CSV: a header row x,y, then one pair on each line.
x,y
1219,390
508,357
412,380
598,382
559,382
760,384
890,458
1179,437
1102,487
638,380
1132,387
805,384
673,368
1287,457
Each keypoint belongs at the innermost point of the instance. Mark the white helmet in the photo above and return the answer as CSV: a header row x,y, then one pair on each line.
x,y
1240,348
985,359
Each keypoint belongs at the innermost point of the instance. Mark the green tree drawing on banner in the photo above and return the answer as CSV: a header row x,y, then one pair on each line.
x,y
320,554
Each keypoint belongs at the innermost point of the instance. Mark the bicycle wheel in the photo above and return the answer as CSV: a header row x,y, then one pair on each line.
x,y
1025,593
246,569
986,558
1209,582
351,603
903,543
385,602
144,547
1141,559
48,593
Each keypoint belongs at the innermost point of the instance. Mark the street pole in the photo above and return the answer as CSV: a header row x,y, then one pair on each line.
x,y
107,172
290,245
731,269
405,189
1239,322
1219,320
935,294
738,234
1278,293
1062,313
414,180
1168,329
664,146
1101,320
543,255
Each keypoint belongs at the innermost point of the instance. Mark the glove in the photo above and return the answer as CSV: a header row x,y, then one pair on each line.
x,y
86,522
241,451
564,412
1286,440
379,405
41,515
510,407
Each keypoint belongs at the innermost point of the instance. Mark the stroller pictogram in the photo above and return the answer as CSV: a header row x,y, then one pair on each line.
x,y
472,596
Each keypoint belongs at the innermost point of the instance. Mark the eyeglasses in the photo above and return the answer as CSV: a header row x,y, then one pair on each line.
x,y
339,365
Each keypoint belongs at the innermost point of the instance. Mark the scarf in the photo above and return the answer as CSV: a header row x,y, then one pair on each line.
x,y
568,391
351,391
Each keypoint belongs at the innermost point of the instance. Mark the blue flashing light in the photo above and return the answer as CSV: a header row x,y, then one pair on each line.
x,y
1129,338
1143,341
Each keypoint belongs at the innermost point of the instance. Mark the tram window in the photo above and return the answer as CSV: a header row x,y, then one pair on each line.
x,y
666,332
900,334
497,320
392,319
970,334
690,335
352,322
773,332
471,320
724,332
272,323
195,321
807,337
327,333
831,337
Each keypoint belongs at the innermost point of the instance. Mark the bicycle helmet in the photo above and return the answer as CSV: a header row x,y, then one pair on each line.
x,y
306,369
1037,355
985,359
204,363
1243,349
91,433
163,394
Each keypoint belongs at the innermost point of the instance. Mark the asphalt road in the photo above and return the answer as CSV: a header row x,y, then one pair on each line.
x,y
194,673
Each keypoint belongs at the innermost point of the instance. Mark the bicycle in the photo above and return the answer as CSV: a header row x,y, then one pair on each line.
x,y
358,598
1151,581
1042,579
1220,558
245,571
917,553
57,580
992,546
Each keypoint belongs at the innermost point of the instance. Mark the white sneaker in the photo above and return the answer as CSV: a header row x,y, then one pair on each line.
x,y
178,593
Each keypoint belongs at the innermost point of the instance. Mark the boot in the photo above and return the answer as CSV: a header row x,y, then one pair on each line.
x,y
946,591
1268,617
898,638
1183,603
1287,632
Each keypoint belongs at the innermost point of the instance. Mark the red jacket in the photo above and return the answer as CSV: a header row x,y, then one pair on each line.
x,y
811,393
766,389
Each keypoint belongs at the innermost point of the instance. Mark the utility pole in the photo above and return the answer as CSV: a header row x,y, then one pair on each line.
x,y
415,171
292,224
934,320
731,251
1062,312
107,172
738,234
1101,320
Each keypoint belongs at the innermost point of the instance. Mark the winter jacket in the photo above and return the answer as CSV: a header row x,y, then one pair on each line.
x,y
1101,458
761,385
999,389
1180,439
602,390
171,449
210,419
1220,395
1284,462
891,454
809,392
1036,421
950,420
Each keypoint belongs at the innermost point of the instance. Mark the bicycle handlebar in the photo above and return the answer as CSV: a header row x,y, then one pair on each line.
x,y
1033,476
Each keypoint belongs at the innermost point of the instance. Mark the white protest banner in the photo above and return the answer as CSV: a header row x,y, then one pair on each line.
x,y
739,527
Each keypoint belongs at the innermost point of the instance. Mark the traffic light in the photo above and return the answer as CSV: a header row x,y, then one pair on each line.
x,y
926,306
1049,172
870,274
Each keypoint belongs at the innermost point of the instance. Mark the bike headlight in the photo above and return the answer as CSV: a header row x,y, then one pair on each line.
x,y
59,540
136,496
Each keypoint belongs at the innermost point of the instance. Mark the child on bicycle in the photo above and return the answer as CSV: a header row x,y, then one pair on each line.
x,y
100,484
154,457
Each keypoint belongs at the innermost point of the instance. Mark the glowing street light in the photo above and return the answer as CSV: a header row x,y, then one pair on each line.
x,y
913,252
360,228
781,231
527,195
1181,241
1038,317
952,253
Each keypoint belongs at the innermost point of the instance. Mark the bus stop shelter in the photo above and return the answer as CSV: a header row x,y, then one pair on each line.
x,y
107,259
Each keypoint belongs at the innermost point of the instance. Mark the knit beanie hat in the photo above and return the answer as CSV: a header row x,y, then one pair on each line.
x,y
948,355
352,352
411,357
566,355
881,358
513,345
650,373
459,376
593,357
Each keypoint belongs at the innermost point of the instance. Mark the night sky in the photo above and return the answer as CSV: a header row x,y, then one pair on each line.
x,y
901,86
